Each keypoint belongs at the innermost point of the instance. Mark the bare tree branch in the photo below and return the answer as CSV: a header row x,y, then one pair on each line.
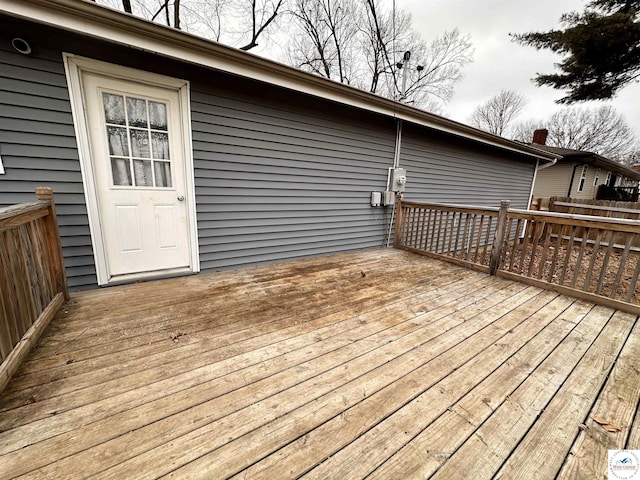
x,y
497,114
351,41
599,130
257,28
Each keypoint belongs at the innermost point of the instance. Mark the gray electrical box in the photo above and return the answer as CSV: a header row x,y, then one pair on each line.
x,y
389,198
376,199
397,179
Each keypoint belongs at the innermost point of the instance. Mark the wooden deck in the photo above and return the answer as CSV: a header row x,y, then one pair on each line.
x,y
377,364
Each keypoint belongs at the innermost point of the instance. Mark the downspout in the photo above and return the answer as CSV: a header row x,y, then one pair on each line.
x,y
533,183
535,175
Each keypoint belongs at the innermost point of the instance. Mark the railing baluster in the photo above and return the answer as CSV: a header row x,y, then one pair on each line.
x,y
515,244
424,223
471,235
412,233
478,239
605,261
534,246
432,246
568,254
439,239
556,252
523,247
456,242
405,219
583,247
634,280
594,255
546,234
487,241
622,264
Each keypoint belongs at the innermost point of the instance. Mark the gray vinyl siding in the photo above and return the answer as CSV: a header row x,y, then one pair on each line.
x,y
440,169
278,182
554,181
38,148
278,175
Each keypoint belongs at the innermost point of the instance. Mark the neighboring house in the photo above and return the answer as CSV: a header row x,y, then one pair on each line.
x,y
169,154
579,174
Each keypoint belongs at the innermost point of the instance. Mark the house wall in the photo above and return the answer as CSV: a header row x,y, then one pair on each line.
x,y
553,181
442,169
278,179
278,175
589,190
38,148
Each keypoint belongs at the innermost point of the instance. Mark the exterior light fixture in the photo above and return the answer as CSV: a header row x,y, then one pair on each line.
x,y
21,46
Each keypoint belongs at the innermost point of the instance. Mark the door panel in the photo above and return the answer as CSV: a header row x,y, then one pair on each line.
x,y
128,228
139,172
167,226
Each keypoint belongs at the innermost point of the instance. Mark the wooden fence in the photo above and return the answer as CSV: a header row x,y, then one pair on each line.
x,y
32,278
600,208
573,254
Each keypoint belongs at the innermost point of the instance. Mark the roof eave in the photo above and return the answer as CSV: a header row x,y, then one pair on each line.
x,y
617,167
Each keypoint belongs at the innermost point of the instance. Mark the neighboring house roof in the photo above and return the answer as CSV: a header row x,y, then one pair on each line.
x,y
87,18
593,159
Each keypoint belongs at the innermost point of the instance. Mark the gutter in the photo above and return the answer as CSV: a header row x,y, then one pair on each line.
x,y
550,164
87,18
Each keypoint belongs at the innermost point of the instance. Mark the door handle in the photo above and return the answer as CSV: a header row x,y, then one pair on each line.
x,y
180,198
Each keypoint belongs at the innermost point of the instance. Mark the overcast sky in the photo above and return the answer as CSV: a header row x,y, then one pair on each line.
x,y
500,63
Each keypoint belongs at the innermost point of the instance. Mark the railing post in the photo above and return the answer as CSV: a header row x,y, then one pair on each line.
x,y
398,226
53,242
498,239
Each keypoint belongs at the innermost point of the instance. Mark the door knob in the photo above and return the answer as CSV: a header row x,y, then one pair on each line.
x,y
180,198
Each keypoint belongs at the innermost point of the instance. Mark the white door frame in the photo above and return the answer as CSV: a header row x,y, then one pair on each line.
x,y
75,66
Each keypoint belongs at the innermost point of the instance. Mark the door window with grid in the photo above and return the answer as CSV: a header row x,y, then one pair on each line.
x,y
138,138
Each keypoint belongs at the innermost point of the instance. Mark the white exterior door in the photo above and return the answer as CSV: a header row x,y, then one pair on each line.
x,y
135,136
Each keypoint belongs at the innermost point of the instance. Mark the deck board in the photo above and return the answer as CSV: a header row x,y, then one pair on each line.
x,y
426,452
617,404
377,364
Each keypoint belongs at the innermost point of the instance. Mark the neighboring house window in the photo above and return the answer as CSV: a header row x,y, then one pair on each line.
x,y
596,179
583,178
606,182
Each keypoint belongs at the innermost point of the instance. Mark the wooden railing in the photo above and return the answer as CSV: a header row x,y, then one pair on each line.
x,y
464,235
588,257
32,278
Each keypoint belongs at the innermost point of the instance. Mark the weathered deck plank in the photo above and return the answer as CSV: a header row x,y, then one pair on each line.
x,y
492,443
228,396
378,363
559,424
349,453
369,396
426,452
617,404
